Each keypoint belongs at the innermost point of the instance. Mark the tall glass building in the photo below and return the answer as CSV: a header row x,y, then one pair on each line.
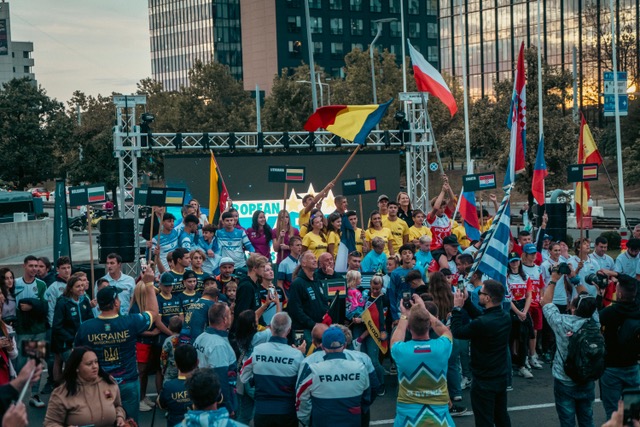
x,y
495,28
183,31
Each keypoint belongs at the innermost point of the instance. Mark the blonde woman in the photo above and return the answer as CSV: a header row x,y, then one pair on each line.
x,y
281,235
201,217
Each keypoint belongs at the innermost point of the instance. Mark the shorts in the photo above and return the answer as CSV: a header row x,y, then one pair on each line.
x,y
143,352
535,311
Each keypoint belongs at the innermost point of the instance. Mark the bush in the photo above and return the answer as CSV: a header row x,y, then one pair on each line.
x,y
614,239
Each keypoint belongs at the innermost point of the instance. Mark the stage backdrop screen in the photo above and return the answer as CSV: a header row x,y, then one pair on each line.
x,y
246,177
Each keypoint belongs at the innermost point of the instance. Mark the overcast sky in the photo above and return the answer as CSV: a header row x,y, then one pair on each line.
x,y
96,46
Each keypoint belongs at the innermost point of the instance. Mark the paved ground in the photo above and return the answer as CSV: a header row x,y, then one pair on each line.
x,y
531,403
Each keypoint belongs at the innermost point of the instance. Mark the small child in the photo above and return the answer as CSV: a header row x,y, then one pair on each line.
x,y
230,290
167,358
355,304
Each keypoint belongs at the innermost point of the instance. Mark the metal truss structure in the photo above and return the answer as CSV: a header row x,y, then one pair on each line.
x,y
129,144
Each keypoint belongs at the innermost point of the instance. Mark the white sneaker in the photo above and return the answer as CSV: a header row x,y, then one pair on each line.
x,y
534,362
525,373
465,383
526,363
144,407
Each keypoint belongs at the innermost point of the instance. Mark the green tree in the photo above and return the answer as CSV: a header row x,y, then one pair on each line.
x,y
33,128
289,104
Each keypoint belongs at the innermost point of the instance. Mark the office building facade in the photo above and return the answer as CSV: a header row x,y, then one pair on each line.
x,y
183,32
495,28
16,59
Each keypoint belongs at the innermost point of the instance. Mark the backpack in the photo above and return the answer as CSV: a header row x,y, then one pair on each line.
x,y
585,354
629,335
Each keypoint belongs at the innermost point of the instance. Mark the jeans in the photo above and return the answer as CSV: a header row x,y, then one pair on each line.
x,y
22,360
275,420
246,407
130,397
463,351
489,403
574,401
613,381
453,372
371,349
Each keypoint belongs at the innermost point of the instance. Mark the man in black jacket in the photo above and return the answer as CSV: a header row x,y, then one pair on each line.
x,y
620,360
307,301
489,336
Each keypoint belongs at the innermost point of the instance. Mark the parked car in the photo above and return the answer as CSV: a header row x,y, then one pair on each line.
x,y
40,192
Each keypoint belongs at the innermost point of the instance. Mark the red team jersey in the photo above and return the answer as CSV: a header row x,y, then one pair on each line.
x,y
537,283
518,287
440,227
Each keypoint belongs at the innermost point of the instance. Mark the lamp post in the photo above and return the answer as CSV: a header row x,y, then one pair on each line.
x,y
321,92
379,23
312,65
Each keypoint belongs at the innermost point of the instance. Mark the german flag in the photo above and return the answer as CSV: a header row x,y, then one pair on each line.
x,y
371,318
218,194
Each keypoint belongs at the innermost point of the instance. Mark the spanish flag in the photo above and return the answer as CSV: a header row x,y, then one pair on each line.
x,y
372,318
587,153
218,194
351,122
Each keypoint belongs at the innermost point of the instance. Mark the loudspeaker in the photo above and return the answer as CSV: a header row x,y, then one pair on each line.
x,y
98,271
557,224
117,235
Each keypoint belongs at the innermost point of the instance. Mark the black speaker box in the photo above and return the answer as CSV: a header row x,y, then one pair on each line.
x,y
117,235
557,224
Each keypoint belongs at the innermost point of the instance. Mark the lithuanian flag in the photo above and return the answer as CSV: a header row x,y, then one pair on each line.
x,y
351,122
218,194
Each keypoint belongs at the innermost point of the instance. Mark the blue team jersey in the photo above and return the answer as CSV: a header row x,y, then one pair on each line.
x,y
186,301
232,244
175,399
168,243
113,339
178,286
169,307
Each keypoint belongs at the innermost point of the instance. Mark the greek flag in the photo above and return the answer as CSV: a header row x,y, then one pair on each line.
x,y
492,258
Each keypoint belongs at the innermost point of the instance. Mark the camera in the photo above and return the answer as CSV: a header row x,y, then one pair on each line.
x,y
599,280
561,268
34,349
406,299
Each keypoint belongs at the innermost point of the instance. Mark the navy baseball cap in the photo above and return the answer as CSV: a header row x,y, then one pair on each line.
x,y
167,279
189,274
107,295
513,256
333,338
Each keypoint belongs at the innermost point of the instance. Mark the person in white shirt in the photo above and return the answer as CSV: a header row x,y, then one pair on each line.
x,y
627,262
117,278
600,256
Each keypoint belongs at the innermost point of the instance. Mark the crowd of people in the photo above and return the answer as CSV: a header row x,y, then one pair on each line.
x,y
237,325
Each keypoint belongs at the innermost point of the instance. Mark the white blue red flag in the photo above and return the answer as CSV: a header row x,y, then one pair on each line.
x,y
469,215
517,122
539,174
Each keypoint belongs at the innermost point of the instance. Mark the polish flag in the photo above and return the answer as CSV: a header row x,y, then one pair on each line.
x,y
428,79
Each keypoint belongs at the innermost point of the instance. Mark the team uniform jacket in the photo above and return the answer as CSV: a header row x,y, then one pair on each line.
x,y
273,366
333,392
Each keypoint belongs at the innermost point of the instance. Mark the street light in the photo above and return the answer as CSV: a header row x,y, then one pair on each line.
x,y
379,22
321,92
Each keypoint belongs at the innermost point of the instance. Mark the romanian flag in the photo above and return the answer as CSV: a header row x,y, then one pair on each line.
x,y
372,318
351,122
218,194
587,153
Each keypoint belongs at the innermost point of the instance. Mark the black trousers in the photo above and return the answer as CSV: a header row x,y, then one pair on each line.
x,y
489,403
275,420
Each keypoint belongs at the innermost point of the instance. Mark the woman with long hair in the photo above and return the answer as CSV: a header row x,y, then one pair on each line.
x,y
8,352
405,211
519,288
260,234
376,229
8,296
72,310
306,227
315,240
442,294
87,396
247,338
281,235
334,223
202,218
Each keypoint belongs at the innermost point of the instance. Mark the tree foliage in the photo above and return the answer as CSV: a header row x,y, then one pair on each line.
x,y
289,104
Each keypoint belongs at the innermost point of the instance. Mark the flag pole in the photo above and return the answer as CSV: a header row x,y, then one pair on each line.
x,y
540,109
463,59
458,203
344,167
626,220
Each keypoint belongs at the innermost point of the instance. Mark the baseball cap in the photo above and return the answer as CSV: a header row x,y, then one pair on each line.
x,y
383,197
205,278
529,248
451,239
107,295
189,275
547,237
167,279
168,216
333,338
226,260
513,256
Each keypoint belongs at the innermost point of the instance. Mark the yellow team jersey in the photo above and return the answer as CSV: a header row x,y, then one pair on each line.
x,y
461,234
398,229
303,231
415,233
359,242
383,233
384,217
334,238
314,243
303,219
486,226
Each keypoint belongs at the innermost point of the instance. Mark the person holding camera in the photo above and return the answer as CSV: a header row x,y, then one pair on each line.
x,y
564,290
620,323
584,266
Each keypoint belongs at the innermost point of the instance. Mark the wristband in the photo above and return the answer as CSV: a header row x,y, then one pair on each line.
x,y
403,317
552,282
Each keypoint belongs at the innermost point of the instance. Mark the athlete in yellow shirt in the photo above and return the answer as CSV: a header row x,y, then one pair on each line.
x,y
399,229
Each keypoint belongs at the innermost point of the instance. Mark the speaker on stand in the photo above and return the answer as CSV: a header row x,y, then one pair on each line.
x,y
117,236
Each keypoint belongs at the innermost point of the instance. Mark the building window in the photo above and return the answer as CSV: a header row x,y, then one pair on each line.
x,y
375,6
335,4
414,7
293,3
316,25
396,29
355,5
432,54
394,6
318,47
26,69
432,7
336,26
357,46
338,72
337,50
25,55
414,29
315,4
294,24
356,27
295,47
432,30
